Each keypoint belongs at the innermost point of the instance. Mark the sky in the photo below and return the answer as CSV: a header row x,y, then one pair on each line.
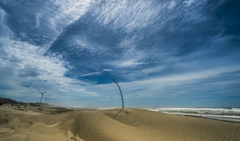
x,y
162,53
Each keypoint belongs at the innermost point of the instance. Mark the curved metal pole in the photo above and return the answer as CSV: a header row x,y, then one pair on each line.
x,y
120,92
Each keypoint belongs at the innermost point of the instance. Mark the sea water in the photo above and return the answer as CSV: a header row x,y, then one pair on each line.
x,y
227,114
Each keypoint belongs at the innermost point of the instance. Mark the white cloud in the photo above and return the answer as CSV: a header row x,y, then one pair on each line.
x,y
38,16
67,11
171,5
129,42
78,43
49,76
196,75
51,17
128,63
188,2
4,30
153,70
60,13
107,70
127,14
24,64
94,73
2,13
167,85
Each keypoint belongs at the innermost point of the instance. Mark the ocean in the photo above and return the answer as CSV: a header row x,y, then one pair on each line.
x,y
226,114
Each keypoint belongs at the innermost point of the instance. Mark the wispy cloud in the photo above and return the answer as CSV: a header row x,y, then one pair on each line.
x,y
43,20
129,63
94,73
188,2
171,5
107,70
128,14
154,69
25,69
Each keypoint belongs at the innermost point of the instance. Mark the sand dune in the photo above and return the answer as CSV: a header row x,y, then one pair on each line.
x,y
20,123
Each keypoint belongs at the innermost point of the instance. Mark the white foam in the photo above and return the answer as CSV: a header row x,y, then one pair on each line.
x,y
228,114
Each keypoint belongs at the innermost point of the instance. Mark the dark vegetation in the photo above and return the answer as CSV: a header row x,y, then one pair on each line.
x,y
38,107
7,100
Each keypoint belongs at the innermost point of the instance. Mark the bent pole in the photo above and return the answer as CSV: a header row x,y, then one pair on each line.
x,y
120,93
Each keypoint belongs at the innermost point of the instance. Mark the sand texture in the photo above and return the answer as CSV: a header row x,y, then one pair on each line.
x,y
32,123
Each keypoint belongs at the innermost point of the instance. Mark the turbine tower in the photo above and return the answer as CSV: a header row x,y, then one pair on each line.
x,y
45,99
42,95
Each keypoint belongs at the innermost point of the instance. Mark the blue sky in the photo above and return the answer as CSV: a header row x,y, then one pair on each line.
x,y
179,53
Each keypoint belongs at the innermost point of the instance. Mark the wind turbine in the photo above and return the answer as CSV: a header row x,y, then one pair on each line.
x,y
42,95
45,99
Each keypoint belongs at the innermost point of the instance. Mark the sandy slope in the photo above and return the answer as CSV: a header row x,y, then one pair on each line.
x,y
44,124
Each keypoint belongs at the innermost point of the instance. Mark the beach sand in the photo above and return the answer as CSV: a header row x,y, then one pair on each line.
x,y
32,123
